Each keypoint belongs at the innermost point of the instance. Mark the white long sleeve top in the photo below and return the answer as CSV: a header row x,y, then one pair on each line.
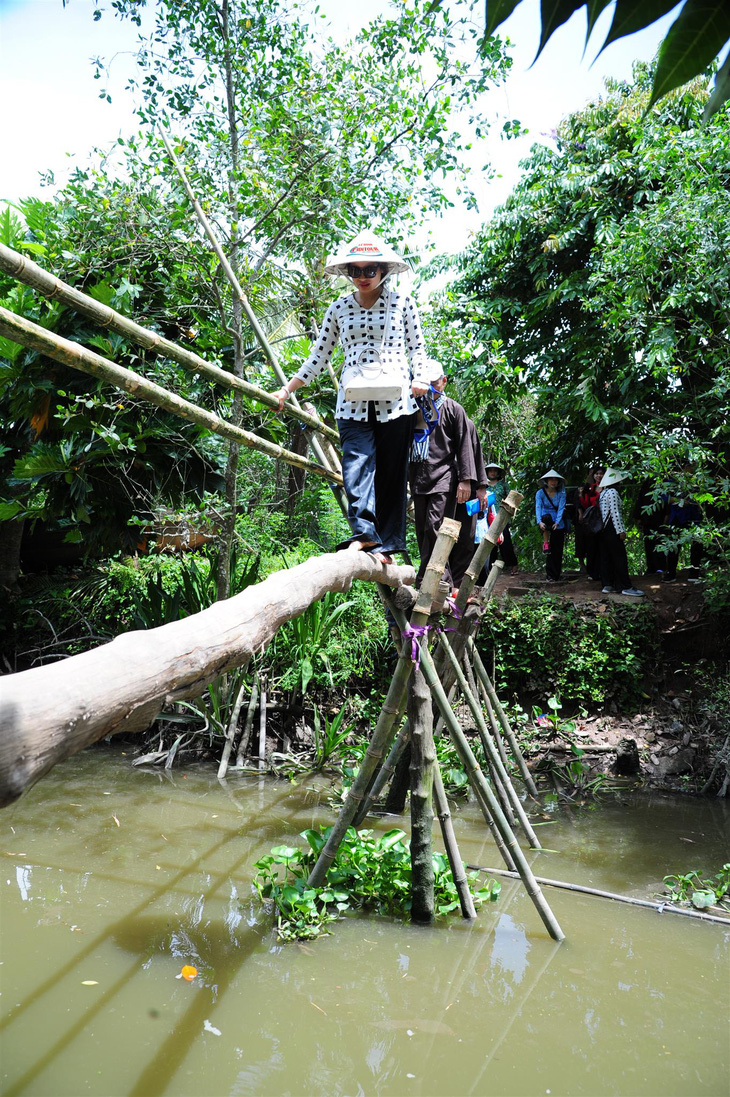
x,y
357,329
610,504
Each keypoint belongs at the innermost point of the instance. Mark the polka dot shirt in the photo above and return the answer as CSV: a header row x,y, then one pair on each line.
x,y
358,329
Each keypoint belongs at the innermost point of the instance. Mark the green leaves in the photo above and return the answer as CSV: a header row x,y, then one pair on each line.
x,y
694,39
371,872
699,34
692,888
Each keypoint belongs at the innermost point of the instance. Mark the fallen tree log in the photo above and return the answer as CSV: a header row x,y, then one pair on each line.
x,y
51,712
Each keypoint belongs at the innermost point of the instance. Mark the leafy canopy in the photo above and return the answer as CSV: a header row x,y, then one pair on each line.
x,y
696,37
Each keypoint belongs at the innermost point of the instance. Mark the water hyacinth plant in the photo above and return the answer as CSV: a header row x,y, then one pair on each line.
x,y
371,872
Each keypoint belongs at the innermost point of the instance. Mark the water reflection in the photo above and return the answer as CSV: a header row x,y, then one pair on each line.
x,y
380,1007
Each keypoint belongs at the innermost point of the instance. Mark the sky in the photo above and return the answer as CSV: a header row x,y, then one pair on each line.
x,y
52,116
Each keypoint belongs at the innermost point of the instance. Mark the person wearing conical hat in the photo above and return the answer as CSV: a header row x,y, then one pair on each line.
x,y
379,331
550,515
614,562
497,484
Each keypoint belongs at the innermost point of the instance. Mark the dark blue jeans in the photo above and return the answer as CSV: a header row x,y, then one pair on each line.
x,y
375,472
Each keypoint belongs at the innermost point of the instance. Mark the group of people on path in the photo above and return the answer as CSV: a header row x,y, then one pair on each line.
x,y
396,424
600,529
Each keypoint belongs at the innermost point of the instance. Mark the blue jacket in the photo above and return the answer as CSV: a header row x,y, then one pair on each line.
x,y
553,507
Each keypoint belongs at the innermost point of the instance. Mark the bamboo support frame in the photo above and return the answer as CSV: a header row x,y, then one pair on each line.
x,y
477,778
30,274
28,334
384,729
423,762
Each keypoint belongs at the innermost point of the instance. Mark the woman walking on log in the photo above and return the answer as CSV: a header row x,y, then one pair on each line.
x,y
384,371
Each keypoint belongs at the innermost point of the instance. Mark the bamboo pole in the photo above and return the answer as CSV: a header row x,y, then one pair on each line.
x,y
28,334
493,721
477,777
248,726
662,907
30,274
489,747
385,772
231,733
484,736
505,514
423,760
384,729
502,717
262,729
245,305
458,872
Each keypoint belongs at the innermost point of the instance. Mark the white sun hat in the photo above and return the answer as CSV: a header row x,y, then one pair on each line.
x,y
365,247
611,477
434,371
552,473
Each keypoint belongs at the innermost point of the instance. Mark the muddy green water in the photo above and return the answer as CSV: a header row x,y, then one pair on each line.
x,y
114,878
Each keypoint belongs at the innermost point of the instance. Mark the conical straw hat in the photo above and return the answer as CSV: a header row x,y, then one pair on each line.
x,y
552,472
611,477
366,246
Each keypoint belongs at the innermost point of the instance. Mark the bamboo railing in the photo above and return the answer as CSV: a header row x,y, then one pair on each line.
x,y
30,274
28,334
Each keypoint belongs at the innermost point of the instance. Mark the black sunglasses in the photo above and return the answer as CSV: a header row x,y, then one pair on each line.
x,y
362,272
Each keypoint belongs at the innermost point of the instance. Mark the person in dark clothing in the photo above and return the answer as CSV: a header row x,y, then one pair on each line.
x,y
587,547
650,515
464,549
442,470
682,514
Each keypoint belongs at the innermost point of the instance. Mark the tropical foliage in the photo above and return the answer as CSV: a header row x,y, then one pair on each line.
x,y
599,297
696,37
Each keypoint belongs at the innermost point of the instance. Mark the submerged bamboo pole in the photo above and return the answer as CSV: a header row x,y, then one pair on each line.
x,y
28,334
661,907
458,872
384,729
30,274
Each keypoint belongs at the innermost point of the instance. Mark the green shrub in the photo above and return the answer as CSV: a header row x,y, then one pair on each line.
x,y
588,653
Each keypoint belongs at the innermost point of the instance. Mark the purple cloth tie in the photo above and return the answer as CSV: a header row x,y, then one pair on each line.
x,y
414,634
